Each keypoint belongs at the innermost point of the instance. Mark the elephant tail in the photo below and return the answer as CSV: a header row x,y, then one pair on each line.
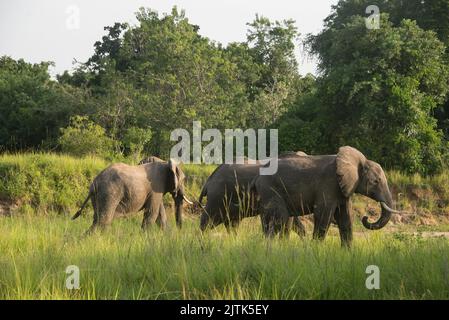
x,y
78,213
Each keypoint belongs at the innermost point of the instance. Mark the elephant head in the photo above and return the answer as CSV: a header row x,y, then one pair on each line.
x,y
356,174
176,188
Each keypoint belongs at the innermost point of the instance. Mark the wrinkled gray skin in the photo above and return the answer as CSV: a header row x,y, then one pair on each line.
x,y
322,185
162,217
228,199
121,189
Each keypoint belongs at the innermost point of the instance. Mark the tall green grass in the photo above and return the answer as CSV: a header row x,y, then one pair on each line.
x,y
44,182
126,263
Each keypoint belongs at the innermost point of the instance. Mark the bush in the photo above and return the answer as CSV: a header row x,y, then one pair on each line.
x,y
135,140
83,138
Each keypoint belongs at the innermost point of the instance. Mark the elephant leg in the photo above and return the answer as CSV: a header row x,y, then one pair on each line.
x,y
264,221
206,221
104,209
232,219
289,225
93,227
281,223
274,216
296,224
151,212
322,220
162,217
231,226
344,221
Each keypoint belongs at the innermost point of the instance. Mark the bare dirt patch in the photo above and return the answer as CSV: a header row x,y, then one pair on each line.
x,y
432,234
8,207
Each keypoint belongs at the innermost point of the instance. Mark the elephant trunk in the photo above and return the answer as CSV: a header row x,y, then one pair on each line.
x,y
204,221
384,217
178,210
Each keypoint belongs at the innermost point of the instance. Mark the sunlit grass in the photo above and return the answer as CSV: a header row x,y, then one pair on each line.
x,y
39,241
125,263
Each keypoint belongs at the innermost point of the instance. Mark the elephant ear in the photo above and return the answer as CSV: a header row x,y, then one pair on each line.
x,y
350,162
174,170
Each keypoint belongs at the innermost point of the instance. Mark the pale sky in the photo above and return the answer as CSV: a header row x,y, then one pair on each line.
x,y
45,30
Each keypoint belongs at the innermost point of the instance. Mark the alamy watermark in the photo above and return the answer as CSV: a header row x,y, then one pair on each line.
x,y
190,149
372,22
373,280
73,19
73,279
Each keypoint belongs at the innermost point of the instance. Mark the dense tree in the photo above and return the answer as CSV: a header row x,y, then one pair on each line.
x,y
383,91
273,48
378,90
159,75
32,106
429,15
162,74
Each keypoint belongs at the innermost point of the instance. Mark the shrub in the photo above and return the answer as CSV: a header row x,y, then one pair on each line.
x,y
135,140
83,137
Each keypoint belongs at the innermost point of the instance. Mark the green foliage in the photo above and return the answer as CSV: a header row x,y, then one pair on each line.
x,y
429,14
273,47
378,92
32,106
135,140
383,91
162,74
83,137
177,74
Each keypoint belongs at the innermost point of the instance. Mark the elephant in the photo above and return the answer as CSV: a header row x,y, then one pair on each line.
x,y
227,197
322,185
121,189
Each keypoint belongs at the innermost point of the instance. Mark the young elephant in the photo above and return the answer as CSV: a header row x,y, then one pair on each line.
x,y
228,199
122,189
162,217
322,185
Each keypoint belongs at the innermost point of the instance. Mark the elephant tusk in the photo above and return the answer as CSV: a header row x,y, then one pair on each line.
x,y
384,205
187,200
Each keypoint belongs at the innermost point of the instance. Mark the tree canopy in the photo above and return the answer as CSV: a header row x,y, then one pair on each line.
x,y
384,91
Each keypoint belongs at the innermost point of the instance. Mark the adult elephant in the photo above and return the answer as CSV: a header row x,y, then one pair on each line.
x,y
322,185
121,189
228,199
